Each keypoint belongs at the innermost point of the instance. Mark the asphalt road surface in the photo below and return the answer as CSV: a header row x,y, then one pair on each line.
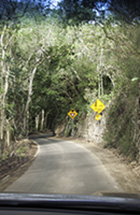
x,y
64,167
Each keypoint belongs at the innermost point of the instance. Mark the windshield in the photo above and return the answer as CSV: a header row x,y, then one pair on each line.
x,y
70,97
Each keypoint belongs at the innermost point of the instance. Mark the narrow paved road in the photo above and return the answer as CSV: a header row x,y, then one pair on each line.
x,y
64,167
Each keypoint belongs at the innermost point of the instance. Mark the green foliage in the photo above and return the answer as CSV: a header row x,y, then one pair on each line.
x,y
78,64
122,122
67,132
21,150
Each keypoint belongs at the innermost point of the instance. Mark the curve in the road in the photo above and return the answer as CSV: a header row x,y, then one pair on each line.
x,y
64,167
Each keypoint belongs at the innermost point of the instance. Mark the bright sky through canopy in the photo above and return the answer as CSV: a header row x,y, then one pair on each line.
x,y
55,2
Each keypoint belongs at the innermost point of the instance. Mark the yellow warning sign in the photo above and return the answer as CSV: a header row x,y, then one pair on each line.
x,y
72,113
98,117
98,106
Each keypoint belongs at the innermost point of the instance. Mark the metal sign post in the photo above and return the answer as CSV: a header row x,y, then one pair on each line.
x,y
72,131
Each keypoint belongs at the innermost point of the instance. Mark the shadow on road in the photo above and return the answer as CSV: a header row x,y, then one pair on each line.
x,y
44,139
36,136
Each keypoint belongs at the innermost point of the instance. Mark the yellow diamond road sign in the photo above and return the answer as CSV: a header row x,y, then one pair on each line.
x,y
98,117
72,113
98,106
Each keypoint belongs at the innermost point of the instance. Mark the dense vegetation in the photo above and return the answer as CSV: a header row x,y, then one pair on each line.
x,y
54,59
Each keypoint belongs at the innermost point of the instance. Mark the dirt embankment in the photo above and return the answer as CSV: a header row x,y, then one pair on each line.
x,y
13,167
126,174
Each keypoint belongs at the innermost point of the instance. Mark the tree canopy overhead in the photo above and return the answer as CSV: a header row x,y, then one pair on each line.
x,y
54,59
71,11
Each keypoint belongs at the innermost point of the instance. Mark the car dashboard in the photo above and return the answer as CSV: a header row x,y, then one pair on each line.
x,y
42,204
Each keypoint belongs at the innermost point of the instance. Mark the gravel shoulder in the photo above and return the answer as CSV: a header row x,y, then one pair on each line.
x,y
126,174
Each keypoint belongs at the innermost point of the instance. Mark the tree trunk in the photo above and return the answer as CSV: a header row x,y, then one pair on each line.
x,y
2,113
4,102
102,85
138,140
37,122
5,40
25,120
100,75
99,86
42,121
46,121
7,137
26,112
